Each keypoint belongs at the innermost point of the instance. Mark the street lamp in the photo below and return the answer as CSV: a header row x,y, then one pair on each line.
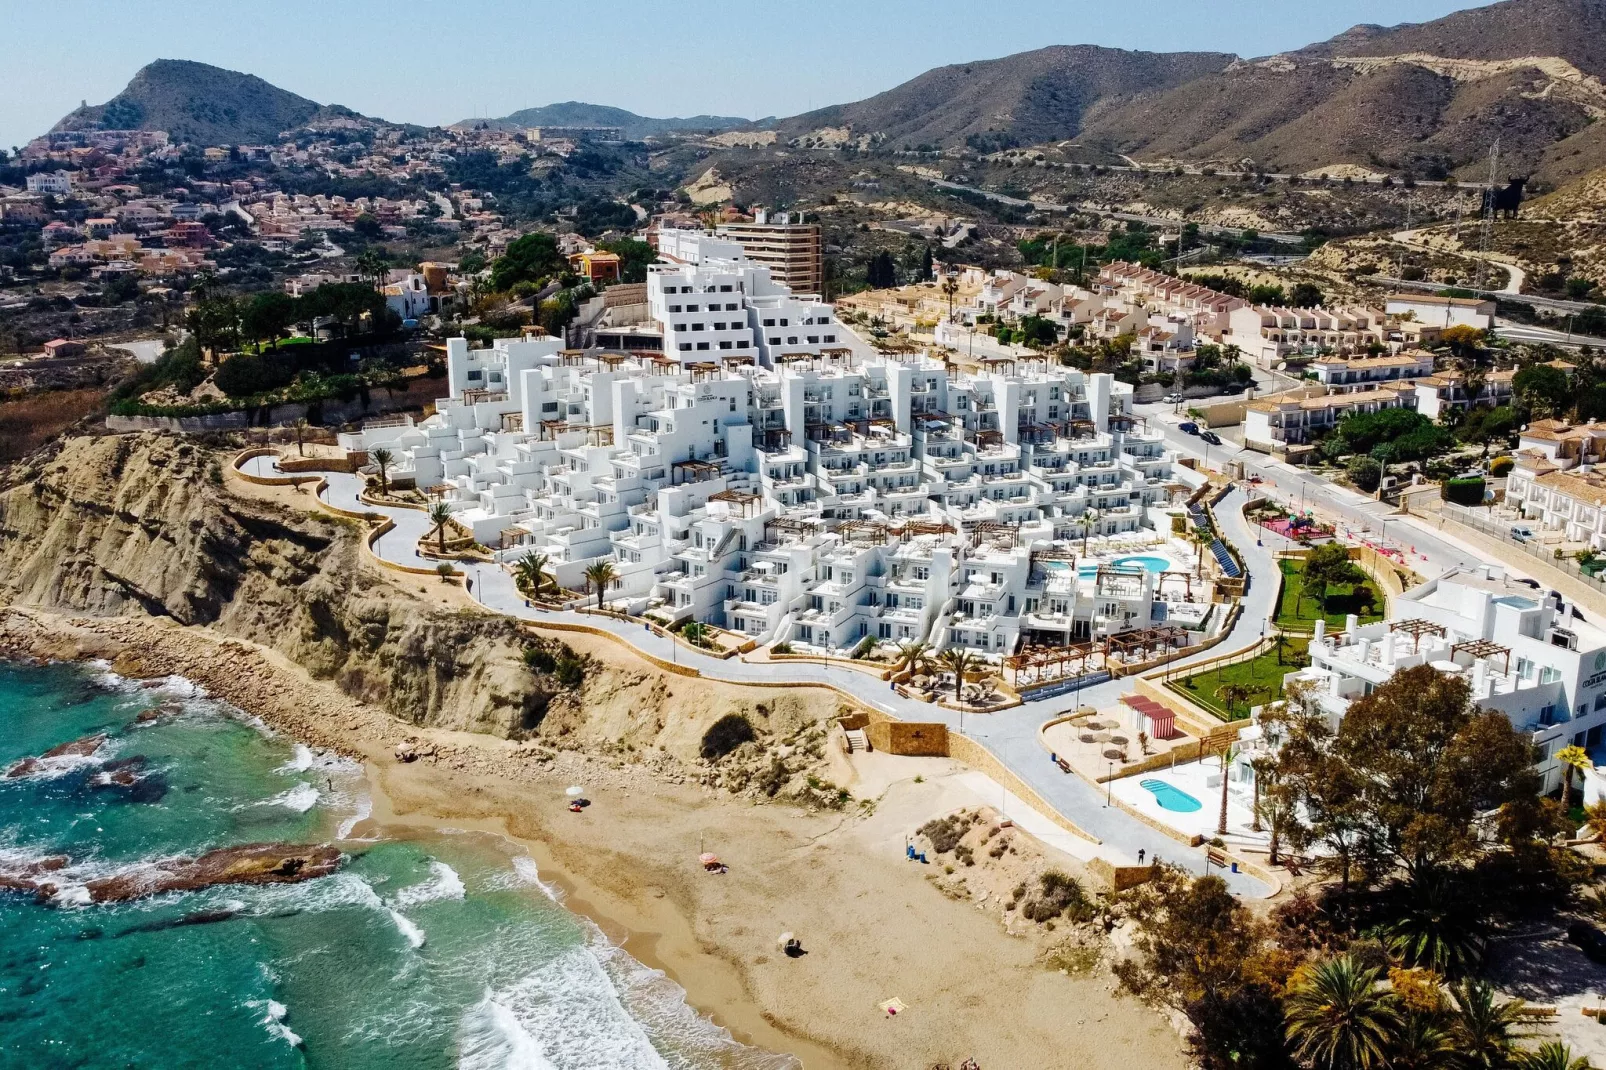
x,y
1109,781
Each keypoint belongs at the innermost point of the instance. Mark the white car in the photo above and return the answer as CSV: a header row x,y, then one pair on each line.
x,y
1172,399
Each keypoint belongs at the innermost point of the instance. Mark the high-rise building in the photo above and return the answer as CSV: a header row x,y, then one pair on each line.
x,y
791,250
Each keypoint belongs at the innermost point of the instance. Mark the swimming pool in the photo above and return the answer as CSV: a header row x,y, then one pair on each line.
x,y
1170,797
1147,562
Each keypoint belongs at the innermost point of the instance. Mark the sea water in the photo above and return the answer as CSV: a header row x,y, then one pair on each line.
x,y
444,951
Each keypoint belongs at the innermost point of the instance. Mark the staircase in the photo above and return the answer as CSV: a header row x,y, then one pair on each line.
x,y
857,740
1229,567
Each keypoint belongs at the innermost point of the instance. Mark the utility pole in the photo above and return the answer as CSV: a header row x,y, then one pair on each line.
x,y
1488,214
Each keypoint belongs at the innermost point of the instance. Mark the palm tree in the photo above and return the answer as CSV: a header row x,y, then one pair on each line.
x,y
910,655
1263,767
1226,756
960,662
950,286
1483,1030
1421,1043
1337,1017
600,575
374,266
1569,758
531,570
1232,694
440,514
301,436
1434,931
1202,537
1552,1055
1089,518
383,457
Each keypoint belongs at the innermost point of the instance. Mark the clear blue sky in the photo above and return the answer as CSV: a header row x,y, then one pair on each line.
x,y
437,61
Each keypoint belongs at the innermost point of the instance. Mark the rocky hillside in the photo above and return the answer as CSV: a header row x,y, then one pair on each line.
x,y
1027,98
1429,99
635,127
148,526
200,104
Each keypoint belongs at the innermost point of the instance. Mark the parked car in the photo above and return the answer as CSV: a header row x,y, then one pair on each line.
x,y
1590,940
1521,532
1172,399
1210,437
1188,428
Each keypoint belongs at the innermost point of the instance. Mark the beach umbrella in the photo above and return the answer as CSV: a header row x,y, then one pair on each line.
x,y
708,858
784,939
574,790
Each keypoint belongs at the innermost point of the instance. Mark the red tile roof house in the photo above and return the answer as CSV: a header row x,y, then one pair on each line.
x,y
64,347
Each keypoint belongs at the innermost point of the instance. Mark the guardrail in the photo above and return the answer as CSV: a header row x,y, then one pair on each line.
x,y
1540,551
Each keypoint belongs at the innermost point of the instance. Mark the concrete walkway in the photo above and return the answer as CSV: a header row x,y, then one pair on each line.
x,y
1010,735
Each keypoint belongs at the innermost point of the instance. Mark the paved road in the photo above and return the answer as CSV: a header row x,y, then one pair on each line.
x,y
1011,734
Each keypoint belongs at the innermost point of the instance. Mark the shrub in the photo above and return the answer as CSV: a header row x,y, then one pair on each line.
x,y
1501,466
1057,894
725,735
781,648
1463,491
1364,472
945,832
246,374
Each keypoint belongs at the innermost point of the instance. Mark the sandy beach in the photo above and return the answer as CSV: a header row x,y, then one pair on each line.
x,y
874,925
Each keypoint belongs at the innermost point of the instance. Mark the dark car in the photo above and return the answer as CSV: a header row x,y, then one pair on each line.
x,y
1210,437
1188,428
1590,940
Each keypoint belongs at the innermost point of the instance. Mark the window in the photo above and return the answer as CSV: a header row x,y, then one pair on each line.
x,y
774,340
697,326
814,339
685,347
769,323
830,338
674,308
791,339
730,307
724,345
724,289
702,345
693,308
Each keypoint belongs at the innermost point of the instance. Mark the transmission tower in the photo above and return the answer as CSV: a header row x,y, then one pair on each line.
x,y
1487,236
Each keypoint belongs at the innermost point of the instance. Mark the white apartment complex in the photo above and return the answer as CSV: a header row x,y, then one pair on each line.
x,y
795,486
1532,657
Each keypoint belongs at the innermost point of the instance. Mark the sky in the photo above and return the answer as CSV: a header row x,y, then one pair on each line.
x,y
439,61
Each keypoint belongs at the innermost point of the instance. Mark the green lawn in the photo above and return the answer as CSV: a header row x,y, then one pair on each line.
x,y
1297,611
1264,673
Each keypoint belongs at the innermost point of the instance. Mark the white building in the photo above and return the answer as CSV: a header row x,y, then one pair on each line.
x,y
55,183
806,490
1443,312
1532,657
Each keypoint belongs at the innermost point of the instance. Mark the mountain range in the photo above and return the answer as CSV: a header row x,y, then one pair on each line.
x,y
635,127
1426,98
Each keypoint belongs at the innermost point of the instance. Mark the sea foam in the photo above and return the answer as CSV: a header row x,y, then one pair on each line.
x,y
492,1038
443,883
301,798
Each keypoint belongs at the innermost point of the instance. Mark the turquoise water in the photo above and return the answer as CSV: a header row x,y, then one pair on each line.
x,y
419,953
1147,562
1170,797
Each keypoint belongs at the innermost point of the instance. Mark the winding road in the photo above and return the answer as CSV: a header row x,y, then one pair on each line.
x,y
1011,735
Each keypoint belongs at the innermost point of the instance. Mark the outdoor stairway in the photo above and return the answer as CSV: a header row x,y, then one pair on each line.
x,y
857,740
1229,567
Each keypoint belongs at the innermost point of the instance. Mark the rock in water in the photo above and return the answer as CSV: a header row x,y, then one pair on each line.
x,y
253,863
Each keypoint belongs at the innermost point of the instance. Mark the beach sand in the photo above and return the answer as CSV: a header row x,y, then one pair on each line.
x,y
874,925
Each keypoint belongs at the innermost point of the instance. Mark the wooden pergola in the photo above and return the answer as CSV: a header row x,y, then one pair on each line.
x,y
992,529
1483,648
1143,640
1416,628
1036,665
693,471
798,527
747,503
868,532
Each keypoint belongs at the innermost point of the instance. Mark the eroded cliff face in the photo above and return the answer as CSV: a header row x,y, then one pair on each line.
x,y
131,525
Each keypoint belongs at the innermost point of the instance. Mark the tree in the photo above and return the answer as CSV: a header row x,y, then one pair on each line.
x,y
880,273
1305,295
1329,566
1226,762
1089,518
1466,343
1545,390
1436,931
532,258
960,662
1403,780
599,575
373,265
635,256
1338,1018
382,457
301,435
1571,757
1364,472
1263,767
531,572
440,514
910,655
1483,1029
1552,1055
